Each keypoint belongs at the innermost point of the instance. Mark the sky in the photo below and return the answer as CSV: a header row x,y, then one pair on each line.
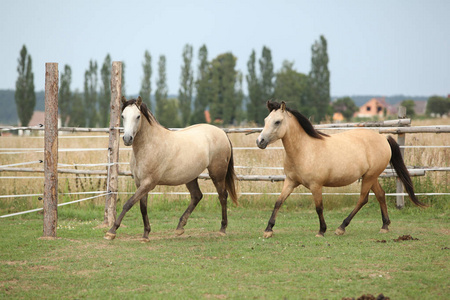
x,y
381,47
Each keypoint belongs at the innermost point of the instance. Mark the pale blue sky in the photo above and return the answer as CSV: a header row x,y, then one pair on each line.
x,y
381,47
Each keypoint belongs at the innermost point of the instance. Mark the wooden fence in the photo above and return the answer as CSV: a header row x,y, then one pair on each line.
x,y
399,127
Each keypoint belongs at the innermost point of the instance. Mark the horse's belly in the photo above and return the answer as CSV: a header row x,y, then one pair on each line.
x,y
182,173
342,181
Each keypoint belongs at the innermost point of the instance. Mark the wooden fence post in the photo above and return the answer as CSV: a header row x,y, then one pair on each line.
x,y
51,151
113,145
401,142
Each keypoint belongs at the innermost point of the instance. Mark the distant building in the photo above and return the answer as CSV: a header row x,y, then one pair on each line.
x,y
375,107
37,118
420,107
338,117
207,116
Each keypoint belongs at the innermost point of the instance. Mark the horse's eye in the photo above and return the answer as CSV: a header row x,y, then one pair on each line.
x,y
138,117
277,123
122,116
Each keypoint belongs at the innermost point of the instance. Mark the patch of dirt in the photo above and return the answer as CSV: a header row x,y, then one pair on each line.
x,y
13,263
43,268
405,238
368,297
210,296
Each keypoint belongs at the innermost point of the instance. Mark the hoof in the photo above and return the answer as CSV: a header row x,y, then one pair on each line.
x,y
222,233
144,240
339,231
382,230
320,235
268,234
179,231
109,236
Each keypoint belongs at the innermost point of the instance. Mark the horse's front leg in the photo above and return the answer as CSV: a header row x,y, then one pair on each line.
x,y
144,212
140,192
288,187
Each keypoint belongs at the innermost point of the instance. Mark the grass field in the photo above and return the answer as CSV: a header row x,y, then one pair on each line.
x,y
294,264
201,264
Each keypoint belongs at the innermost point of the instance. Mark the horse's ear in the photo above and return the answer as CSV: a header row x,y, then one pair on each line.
x,y
139,101
124,100
283,106
270,105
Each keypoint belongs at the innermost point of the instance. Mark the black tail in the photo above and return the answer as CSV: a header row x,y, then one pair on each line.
x,y
231,178
402,172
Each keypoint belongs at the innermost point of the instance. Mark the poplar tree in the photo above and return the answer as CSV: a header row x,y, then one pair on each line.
x,y
292,87
161,88
254,92
24,95
319,78
169,116
146,87
266,82
239,113
224,103
78,112
187,85
90,94
202,86
105,92
65,95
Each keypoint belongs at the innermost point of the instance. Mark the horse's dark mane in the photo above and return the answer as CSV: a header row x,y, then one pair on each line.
x,y
302,120
145,111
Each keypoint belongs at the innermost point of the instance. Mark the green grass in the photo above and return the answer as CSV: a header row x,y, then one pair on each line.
x,y
294,264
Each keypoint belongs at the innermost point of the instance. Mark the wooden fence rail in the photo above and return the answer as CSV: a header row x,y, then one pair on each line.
x,y
399,127
381,129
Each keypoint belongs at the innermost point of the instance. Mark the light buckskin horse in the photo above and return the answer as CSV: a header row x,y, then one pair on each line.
x,y
164,157
315,160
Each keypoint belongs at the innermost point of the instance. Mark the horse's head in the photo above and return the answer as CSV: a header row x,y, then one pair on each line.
x,y
274,124
131,116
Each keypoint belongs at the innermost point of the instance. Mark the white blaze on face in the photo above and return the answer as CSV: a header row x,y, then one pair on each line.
x,y
131,117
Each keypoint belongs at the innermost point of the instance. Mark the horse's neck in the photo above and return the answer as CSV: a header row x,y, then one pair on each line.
x,y
148,135
295,139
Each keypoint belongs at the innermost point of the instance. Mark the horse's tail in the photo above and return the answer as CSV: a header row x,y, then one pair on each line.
x,y
230,179
402,172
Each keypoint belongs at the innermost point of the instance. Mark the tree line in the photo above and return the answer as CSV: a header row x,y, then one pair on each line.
x,y
217,88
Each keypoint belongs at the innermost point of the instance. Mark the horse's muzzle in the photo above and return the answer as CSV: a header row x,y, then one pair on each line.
x,y
261,142
127,140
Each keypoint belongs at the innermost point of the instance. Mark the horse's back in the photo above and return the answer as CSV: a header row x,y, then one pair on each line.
x,y
343,158
190,151
366,150
204,135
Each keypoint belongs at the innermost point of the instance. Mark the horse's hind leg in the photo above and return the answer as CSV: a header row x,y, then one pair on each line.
x,y
143,205
196,196
317,195
223,195
380,194
363,199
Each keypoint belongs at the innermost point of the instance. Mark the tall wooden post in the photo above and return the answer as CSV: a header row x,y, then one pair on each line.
x,y
51,151
401,142
113,145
